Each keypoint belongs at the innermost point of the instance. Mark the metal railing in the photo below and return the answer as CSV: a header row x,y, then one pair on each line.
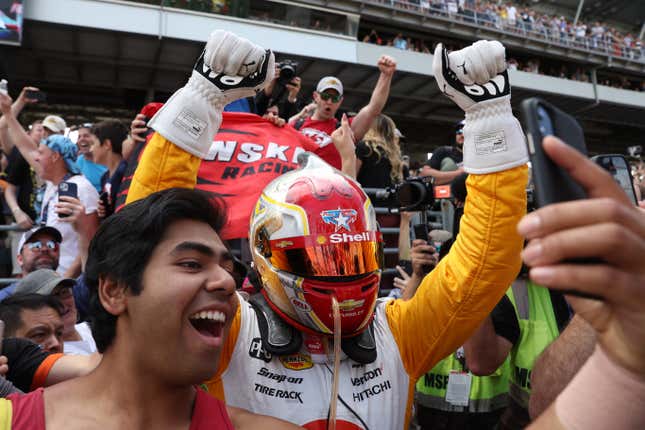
x,y
538,31
278,12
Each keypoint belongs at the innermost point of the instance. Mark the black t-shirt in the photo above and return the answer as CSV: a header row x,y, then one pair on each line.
x,y
24,359
20,174
445,152
375,170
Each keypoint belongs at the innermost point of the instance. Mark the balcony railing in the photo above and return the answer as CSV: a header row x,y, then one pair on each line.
x,y
539,31
272,11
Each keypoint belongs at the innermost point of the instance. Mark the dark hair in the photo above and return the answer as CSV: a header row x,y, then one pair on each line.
x,y
113,130
11,309
124,242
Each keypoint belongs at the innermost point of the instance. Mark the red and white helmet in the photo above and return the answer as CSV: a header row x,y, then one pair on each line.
x,y
313,236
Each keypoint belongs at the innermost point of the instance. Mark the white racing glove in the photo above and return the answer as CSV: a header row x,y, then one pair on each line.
x,y
476,79
230,68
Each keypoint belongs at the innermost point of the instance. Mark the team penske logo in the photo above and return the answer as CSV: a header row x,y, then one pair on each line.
x,y
297,361
339,218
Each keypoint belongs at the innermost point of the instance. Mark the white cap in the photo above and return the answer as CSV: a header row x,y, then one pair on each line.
x,y
55,123
330,82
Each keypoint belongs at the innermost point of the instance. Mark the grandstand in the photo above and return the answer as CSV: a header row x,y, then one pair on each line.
x,y
105,58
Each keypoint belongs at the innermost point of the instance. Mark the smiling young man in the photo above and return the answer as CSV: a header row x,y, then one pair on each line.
x,y
162,299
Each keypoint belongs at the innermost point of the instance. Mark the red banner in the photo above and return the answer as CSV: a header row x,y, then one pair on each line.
x,y
247,154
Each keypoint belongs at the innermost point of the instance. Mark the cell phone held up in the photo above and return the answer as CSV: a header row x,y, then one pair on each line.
x,y
37,96
67,189
552,184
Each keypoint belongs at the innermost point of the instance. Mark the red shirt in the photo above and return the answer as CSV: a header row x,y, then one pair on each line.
x,y
320,132
29,412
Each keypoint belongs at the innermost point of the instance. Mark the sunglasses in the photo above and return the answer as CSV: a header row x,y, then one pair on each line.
x,y
40,245
327,96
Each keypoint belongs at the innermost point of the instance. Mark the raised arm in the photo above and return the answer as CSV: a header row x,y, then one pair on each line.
x,y
16,134
462,290
363,120
186,124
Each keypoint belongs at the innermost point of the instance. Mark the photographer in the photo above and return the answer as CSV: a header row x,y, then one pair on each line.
x,y
281,91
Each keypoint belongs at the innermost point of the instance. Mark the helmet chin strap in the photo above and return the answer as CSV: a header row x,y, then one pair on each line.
x,y
331,422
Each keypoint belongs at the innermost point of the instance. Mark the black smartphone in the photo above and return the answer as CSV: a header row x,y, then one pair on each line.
x,y
39,96
552,184
421,231
617,165
67,189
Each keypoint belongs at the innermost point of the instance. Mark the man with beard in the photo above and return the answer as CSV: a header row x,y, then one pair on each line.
x,y
446,161
39,248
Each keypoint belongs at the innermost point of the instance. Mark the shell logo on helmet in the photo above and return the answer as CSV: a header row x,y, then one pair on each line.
x,y
344,237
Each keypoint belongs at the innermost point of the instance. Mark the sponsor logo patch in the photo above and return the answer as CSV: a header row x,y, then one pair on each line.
x,y
350,304
339,218
300,304
296,361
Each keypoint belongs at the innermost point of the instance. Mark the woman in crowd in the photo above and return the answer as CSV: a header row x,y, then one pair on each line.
x,y
378,155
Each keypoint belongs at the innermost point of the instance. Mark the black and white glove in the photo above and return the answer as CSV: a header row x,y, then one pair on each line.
x,y
476,79
230,68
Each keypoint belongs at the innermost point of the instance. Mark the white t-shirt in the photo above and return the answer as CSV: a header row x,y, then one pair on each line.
x,y
89,198
86,346
511,14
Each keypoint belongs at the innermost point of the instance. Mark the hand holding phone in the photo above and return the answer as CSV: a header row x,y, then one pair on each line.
x,y
67,189
552,183
36,96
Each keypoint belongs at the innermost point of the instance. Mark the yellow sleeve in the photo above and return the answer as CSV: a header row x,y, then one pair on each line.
x,y
462,290
163,165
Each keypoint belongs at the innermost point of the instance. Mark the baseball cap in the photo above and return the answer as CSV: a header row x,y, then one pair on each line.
x,y
41,281
26,237
66,148
330,83
55,123
459,127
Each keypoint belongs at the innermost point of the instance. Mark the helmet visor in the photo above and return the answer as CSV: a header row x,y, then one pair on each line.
x,y
339,254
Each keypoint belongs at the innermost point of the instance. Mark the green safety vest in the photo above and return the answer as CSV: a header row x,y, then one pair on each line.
x,y
487,393
538,328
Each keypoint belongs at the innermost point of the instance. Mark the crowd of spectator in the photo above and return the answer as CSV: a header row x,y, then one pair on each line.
x,y
511,17
531,65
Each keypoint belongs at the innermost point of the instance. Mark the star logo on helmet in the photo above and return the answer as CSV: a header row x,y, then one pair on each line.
x,y
339,218
284,244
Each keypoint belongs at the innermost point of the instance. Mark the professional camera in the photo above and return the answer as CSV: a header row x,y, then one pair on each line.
x,y
287,71
416,193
